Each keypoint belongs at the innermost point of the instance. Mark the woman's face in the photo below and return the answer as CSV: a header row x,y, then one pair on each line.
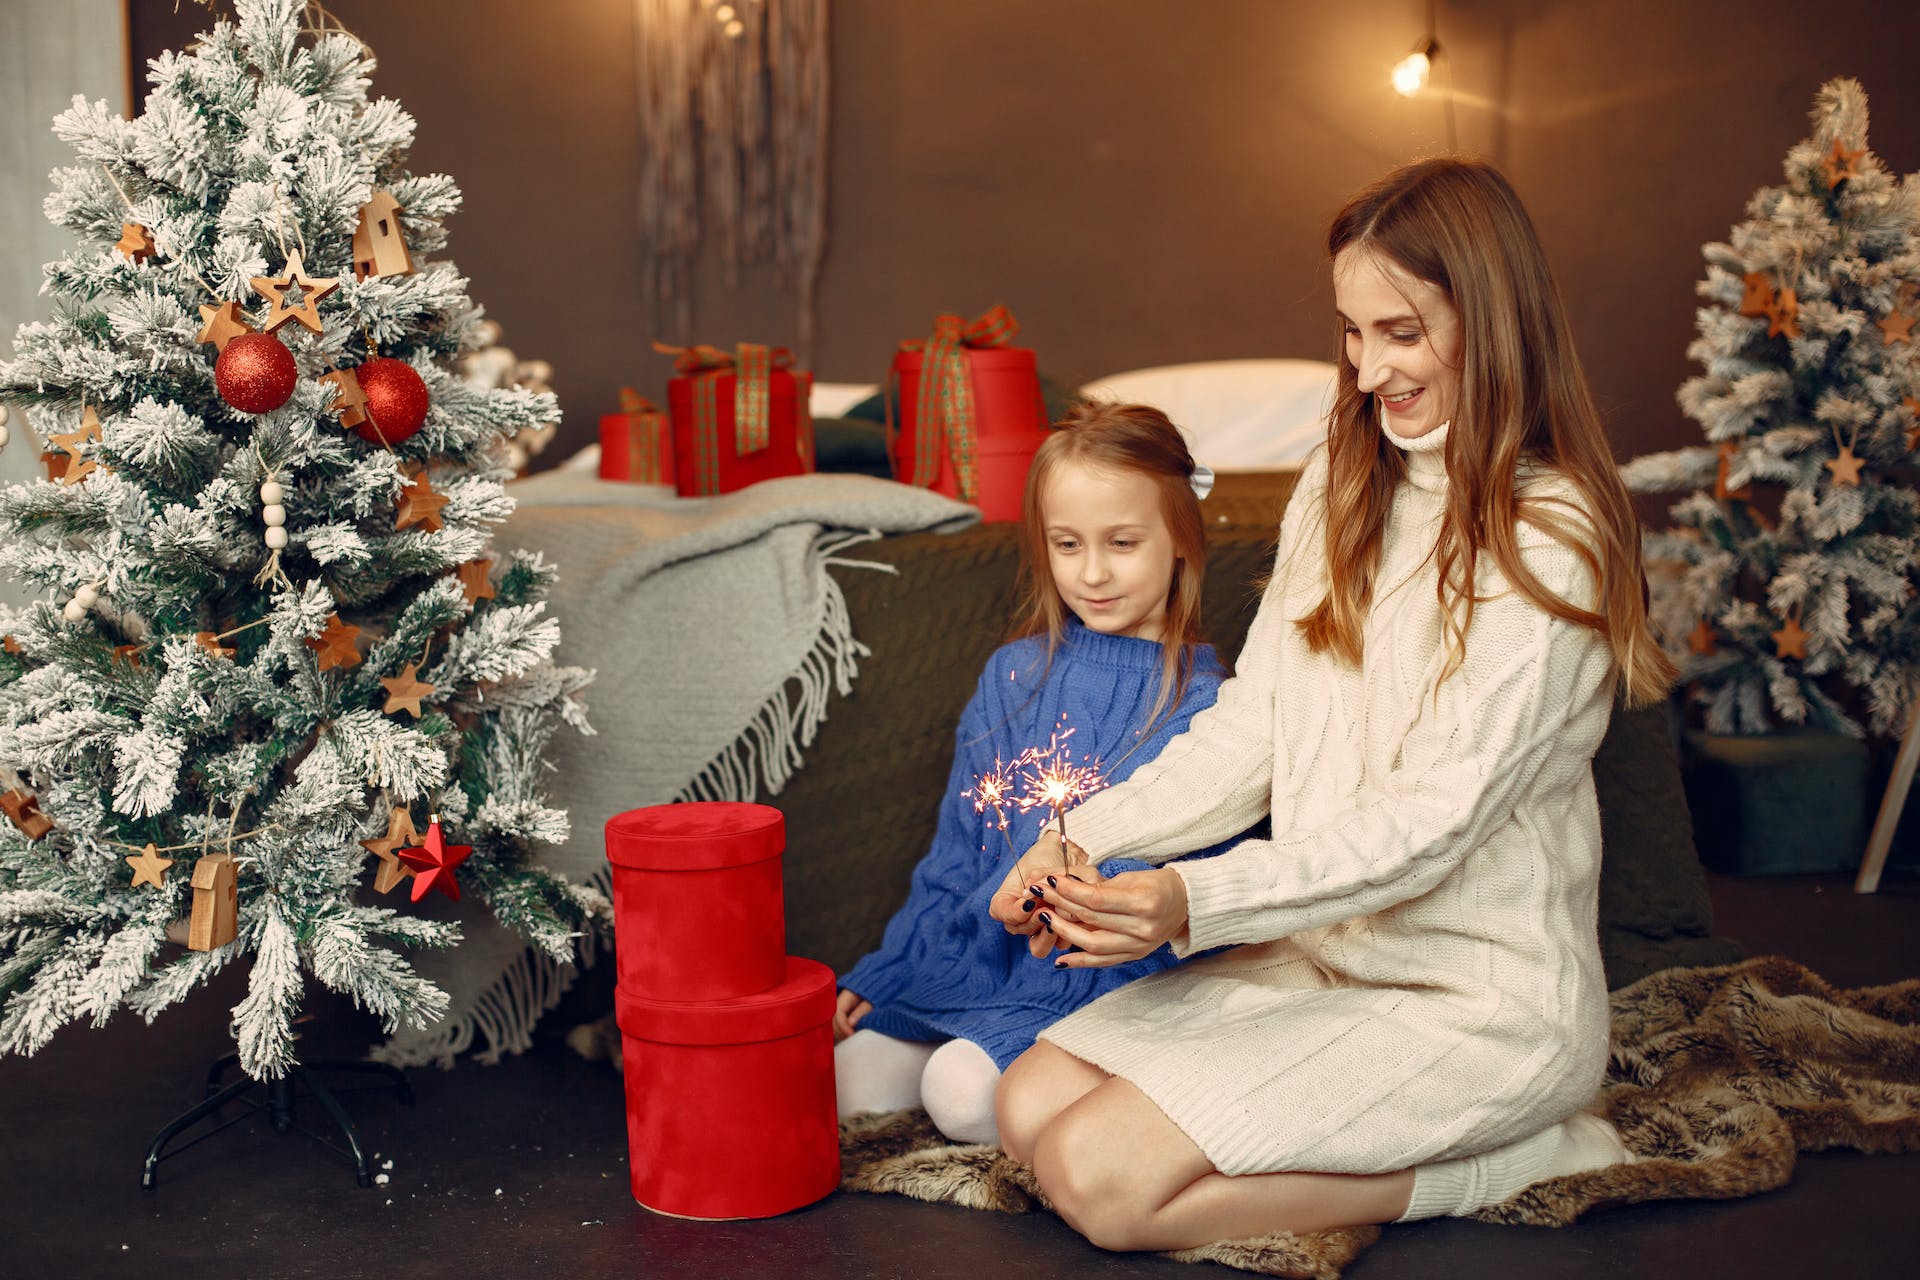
x,y
1403,341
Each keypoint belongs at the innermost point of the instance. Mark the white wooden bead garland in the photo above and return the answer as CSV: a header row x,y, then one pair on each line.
x,y
82,603
273,515
5,413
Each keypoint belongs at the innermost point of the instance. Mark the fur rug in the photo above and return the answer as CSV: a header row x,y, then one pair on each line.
x,y
1718,1076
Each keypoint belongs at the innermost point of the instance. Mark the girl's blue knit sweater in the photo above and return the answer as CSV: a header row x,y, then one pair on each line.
x,y
945,970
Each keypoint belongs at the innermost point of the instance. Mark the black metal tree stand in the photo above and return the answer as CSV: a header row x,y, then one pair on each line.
x,y
279,1105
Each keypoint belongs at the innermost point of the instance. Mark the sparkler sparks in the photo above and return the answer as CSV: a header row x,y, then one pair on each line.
x,y
1038,778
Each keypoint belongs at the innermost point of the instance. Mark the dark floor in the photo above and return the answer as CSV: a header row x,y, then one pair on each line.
x,y
519,1170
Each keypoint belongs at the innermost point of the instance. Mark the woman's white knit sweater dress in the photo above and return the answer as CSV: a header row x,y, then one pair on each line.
x,y
1414,964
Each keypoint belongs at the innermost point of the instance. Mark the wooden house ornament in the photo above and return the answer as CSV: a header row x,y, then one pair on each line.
x,y
216,903
379,245
23,811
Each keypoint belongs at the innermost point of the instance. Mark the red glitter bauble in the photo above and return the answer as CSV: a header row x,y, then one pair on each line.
x,y
256,373
396,400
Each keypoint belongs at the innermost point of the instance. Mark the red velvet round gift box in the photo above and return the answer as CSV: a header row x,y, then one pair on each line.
x,y
1010,421
730,1103
698,911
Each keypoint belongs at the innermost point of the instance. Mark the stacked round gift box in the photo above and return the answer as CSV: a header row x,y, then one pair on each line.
x,y
728,1041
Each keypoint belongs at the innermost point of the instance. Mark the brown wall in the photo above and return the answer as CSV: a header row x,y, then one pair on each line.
x,y
1142,181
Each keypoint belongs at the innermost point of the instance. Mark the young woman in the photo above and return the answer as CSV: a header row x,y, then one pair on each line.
x,y
1114,557
1411,1012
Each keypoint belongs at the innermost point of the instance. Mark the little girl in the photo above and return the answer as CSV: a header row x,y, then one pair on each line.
x,y
1114,552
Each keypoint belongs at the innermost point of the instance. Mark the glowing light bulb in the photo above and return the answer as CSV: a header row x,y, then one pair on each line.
x,y
723,14
734,29
1410,73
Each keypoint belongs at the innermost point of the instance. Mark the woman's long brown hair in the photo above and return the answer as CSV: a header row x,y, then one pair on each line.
x,y
1458,225
1121,437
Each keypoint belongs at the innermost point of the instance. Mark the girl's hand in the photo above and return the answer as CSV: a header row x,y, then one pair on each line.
x,y
848,1009
1113,921
1018,903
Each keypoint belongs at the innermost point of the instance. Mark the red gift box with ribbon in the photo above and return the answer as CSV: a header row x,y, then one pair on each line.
x,y
971,412
636,444
739,417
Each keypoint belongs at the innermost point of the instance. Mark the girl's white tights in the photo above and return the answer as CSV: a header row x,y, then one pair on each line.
x,y
954,1081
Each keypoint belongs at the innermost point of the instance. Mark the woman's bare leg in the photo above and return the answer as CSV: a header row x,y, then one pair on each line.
x,y
1039,1085
1125,1177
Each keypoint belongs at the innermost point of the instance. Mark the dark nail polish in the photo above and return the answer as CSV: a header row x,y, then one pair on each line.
x,y
1046,920
1027,905
1053,882
1037,891
1059,964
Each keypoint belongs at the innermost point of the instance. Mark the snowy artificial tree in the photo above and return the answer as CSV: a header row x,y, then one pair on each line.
x,y
271,646
1787,590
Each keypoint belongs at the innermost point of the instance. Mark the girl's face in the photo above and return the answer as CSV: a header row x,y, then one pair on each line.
x,y
1109,548
1403,341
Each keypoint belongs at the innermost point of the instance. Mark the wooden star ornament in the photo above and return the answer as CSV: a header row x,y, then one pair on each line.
x,y
338,645
149,868
349,401
78,465
304,290
433,862
1846,467
9,644
23,811
400,833
1897,327
129,654
1701,639
1790,641
1840,164
1784,316
1758,299
404,691
420,505
135,243
222,324
474,581
210,641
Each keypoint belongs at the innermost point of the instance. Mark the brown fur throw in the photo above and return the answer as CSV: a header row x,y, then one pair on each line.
x,y
1718,1076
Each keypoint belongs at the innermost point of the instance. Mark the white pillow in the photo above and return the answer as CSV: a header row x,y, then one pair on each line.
x,y
1239,415
833,399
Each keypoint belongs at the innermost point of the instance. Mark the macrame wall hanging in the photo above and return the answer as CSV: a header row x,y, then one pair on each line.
x,y
733,133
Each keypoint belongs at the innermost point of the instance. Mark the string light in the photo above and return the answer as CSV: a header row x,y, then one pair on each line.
x,y
1411,72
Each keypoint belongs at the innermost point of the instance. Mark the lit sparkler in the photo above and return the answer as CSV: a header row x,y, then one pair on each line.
x,y
1053,781
994,790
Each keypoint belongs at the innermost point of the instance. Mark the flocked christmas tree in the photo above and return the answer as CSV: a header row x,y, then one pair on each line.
x,y
272,644
1788,595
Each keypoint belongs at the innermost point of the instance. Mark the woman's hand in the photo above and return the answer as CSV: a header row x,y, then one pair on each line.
x,y
1113,921
1017,903
848,1009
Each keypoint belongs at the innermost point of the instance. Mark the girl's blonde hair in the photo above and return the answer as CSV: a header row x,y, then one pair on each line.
x,y
1460,227
1121,437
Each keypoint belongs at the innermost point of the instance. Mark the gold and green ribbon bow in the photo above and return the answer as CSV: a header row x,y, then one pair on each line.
x,y
752,365
945,423
646,431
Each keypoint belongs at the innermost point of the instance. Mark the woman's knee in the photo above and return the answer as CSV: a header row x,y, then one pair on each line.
x,y
1073,1161
1038,1085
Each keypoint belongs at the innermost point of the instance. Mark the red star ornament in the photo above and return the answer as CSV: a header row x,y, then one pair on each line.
x,y
1846,467
399,832
223,325
305,290
420,505
338,645
1840,164
433,862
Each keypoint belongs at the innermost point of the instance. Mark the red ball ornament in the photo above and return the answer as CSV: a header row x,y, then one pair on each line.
x,y
256,373
396,400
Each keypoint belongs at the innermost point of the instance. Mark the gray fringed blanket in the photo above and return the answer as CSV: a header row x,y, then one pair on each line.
x,y
1718,1077
717,634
